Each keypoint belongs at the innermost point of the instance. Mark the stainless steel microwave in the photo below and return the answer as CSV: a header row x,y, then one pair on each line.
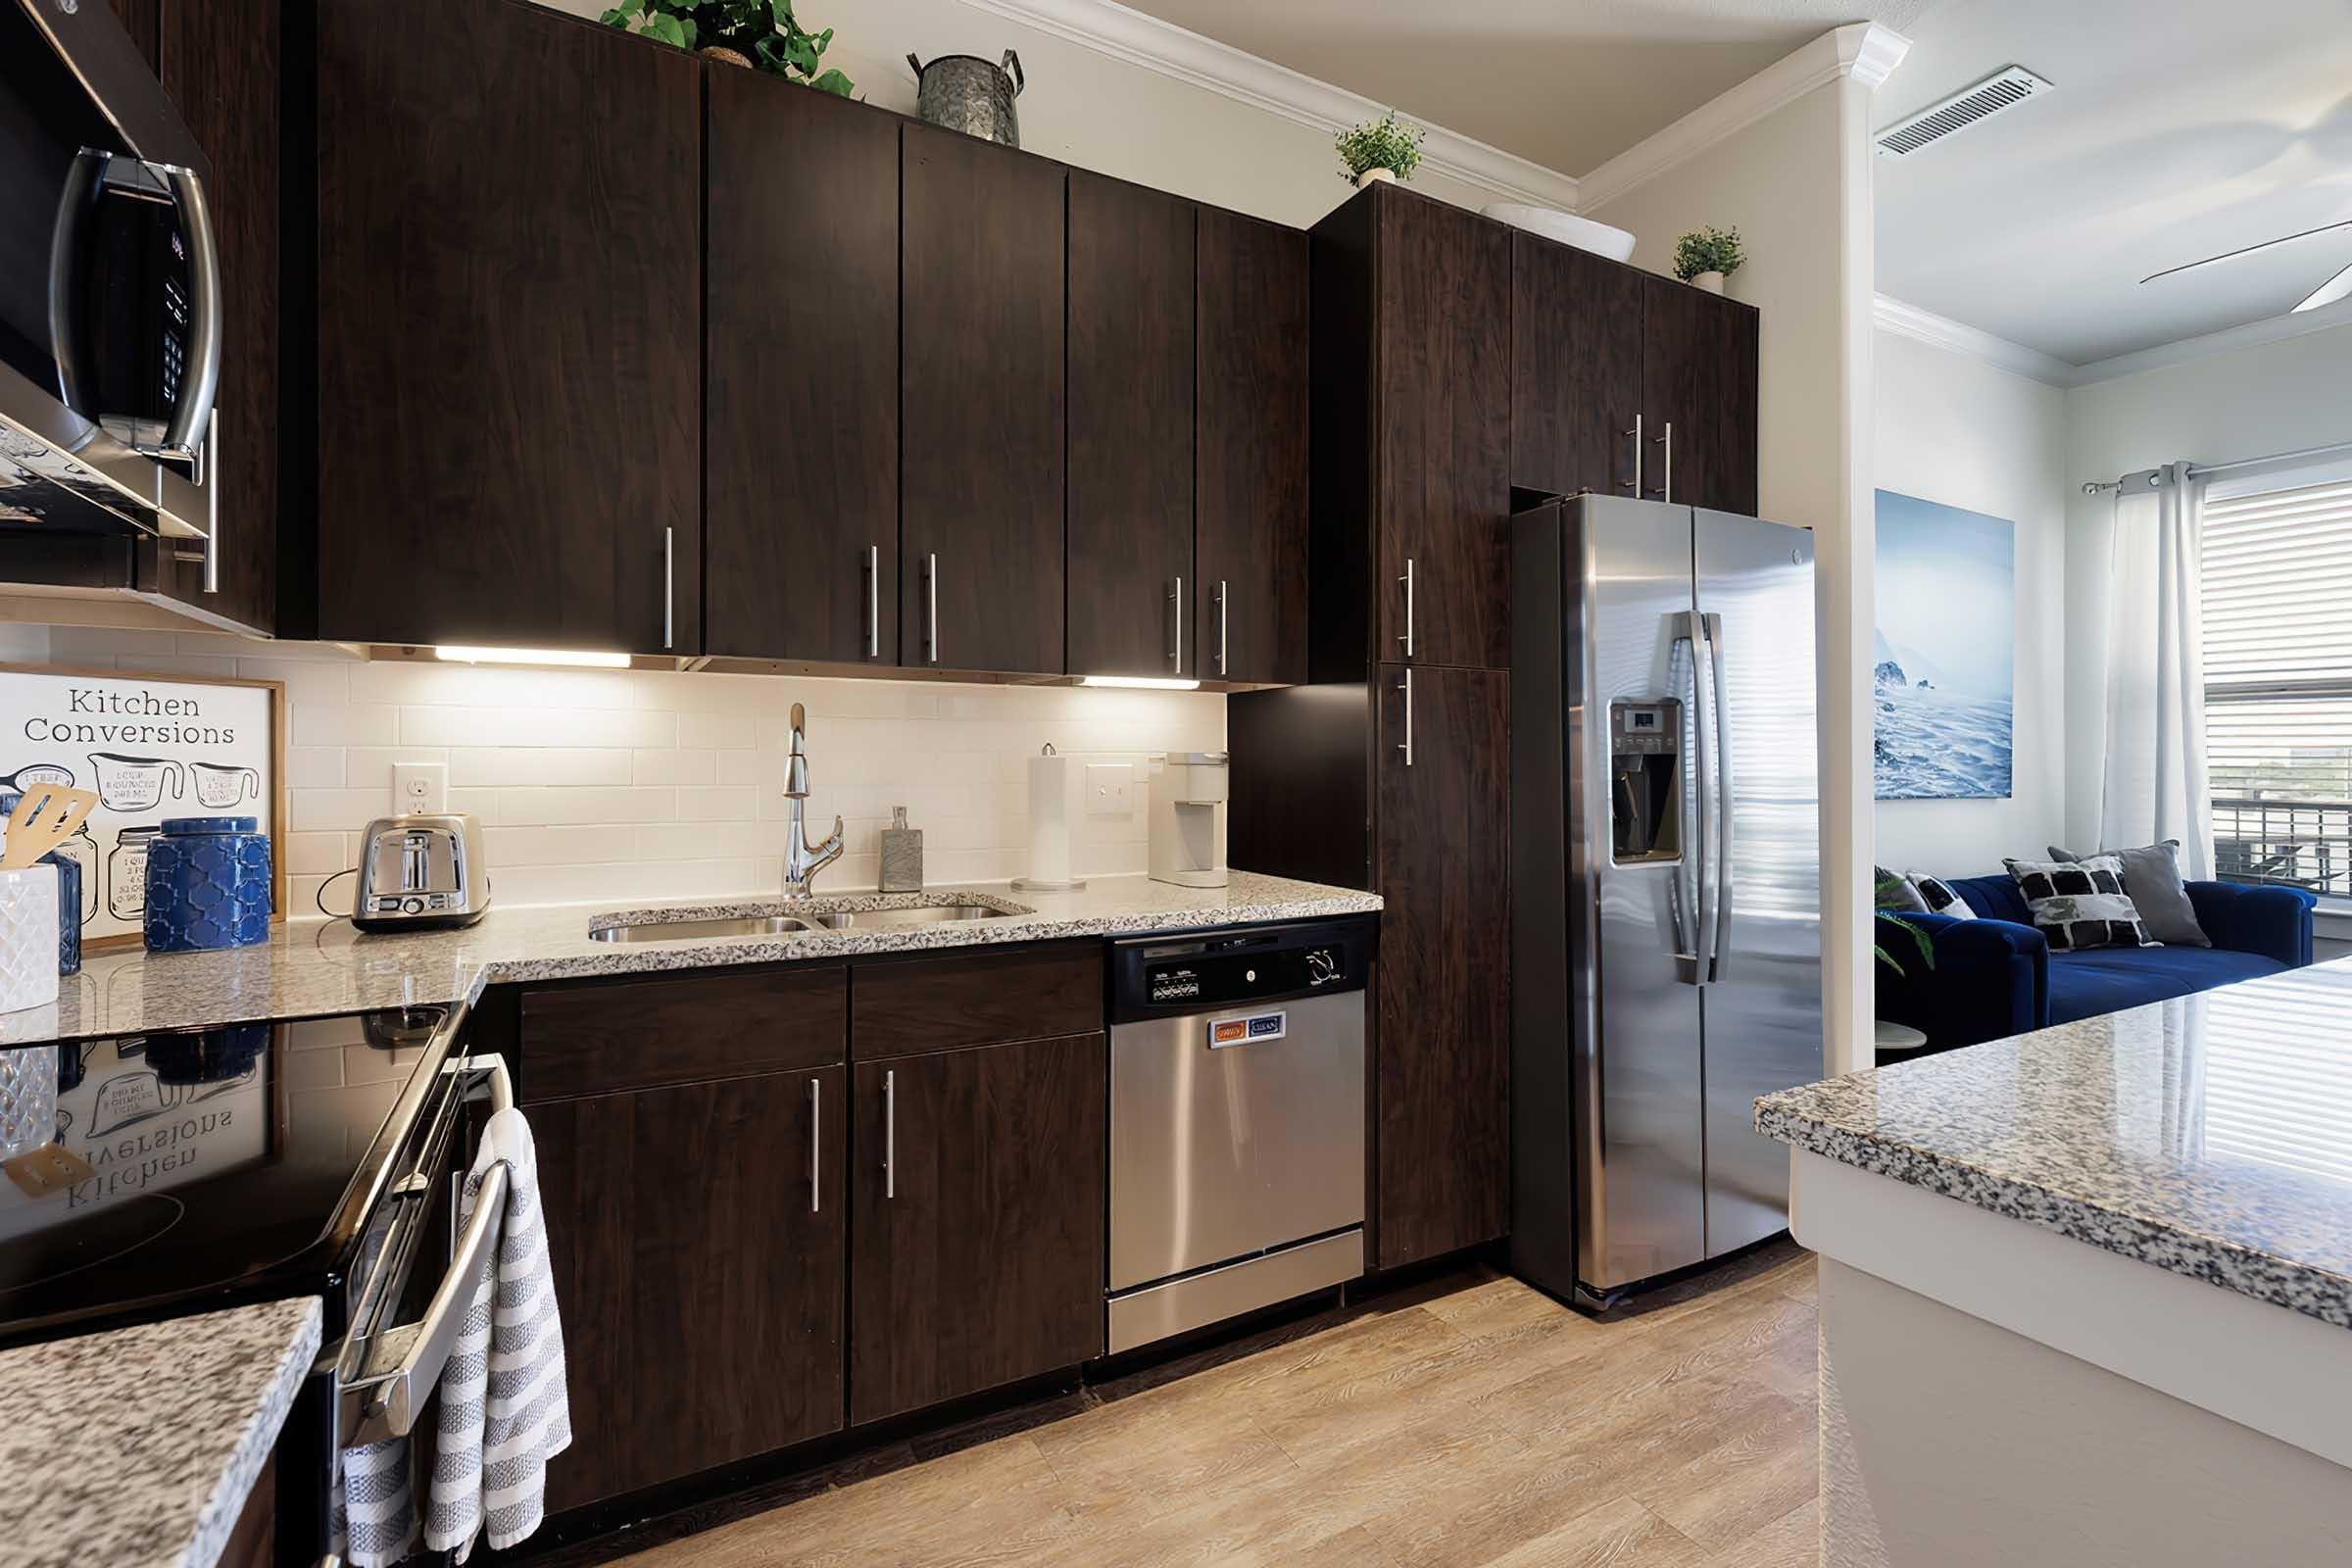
x,y
110,285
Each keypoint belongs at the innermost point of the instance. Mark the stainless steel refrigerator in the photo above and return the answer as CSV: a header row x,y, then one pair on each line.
x,y
1665,883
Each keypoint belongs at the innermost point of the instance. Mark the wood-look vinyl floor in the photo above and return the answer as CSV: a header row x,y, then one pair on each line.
x,y
1468,1422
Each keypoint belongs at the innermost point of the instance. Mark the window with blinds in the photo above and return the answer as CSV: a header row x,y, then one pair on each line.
x,y
2277,608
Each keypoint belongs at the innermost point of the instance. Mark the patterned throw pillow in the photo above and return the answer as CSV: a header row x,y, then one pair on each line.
x,y
2079,904
1942,898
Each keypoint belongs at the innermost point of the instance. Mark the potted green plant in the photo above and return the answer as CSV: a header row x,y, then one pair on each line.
x,y
1387,148
1881,888
1705,257
760,34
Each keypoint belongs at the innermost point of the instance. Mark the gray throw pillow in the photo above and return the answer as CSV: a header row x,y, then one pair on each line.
x,y
1890,889
2152,879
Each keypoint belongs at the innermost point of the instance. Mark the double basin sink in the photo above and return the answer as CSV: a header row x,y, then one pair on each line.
x,y
772,926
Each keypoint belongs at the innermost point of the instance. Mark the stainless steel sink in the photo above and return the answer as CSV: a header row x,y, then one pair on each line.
x,y
769,925
899,919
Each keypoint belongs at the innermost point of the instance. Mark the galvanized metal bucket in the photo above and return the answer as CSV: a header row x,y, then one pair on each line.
x,y
967,93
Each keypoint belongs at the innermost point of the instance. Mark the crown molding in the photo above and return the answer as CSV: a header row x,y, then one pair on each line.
x,y
1863,50
1905,319
2229,340
1957,337
1114,30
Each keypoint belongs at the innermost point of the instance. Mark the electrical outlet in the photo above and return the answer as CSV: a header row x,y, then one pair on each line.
x,y
1109,788
420,788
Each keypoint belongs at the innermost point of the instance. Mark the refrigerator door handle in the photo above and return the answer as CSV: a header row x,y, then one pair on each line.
x,y
1691,951
1719,810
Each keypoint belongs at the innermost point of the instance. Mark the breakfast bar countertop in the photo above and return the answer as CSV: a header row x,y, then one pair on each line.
x,y
313,967
2210,1135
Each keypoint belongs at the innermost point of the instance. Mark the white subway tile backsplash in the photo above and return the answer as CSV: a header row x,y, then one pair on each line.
x,y
587,804
674,768
718,732
619,787
715,802
470,766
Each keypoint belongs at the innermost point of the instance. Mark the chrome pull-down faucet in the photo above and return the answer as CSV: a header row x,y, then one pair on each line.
x,y
802,858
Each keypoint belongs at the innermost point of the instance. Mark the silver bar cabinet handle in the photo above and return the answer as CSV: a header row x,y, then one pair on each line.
x,y
1176,627
890,1135
816,1139
211,504
1407,746
1665,492
669,588
873,601
1407,580
931,609
1636,434
1220,626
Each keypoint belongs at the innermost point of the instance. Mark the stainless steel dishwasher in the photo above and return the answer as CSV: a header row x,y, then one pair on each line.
x,y
1236,1122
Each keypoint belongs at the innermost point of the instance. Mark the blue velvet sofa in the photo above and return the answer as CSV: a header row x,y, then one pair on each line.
x,y
1996,976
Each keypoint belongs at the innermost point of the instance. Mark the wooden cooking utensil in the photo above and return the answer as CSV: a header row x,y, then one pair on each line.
x,y
42,821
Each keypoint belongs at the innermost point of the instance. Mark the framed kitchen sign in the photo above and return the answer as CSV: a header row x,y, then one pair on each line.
x,y
153,747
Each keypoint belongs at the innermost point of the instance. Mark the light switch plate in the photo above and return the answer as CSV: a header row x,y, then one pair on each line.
x,y
420,788
1109,788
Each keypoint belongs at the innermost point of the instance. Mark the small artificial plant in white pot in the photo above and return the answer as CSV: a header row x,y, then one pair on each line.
x,y
1705,257
1387,148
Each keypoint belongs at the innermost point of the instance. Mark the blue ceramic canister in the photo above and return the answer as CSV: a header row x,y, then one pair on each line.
x,y
68,892
208,885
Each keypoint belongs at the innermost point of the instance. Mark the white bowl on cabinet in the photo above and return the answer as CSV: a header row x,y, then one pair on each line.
x,y
1569,229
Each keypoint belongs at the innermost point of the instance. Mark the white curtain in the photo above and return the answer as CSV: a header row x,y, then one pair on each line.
x,y
2156,785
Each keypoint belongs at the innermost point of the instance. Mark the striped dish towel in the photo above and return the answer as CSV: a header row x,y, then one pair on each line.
x,y
373,1524
504,1409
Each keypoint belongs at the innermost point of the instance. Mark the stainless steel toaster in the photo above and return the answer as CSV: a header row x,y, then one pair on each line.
x,y
420,872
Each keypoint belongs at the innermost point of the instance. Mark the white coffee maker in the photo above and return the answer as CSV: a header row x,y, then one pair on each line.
x,y
1187,818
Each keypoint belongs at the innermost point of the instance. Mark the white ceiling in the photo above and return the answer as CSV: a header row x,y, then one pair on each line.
x,y
1569,85
2180,128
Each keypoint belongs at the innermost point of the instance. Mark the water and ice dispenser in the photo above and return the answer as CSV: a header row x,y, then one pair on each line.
x,y
1646,780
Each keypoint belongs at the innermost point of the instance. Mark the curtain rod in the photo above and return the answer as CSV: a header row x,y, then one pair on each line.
x,y
2093,487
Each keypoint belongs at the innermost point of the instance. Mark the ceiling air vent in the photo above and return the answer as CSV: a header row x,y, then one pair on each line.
x,y
2005,88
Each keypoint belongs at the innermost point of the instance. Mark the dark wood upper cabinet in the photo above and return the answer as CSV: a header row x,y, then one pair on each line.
x,y
509,331
800,375
976,1246
1441,1095
1250,451
1699,405
1130,549
675,1304
1576,368
1739,331
1441,432
981,405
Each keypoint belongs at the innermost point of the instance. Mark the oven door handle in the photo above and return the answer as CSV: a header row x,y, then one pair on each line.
x,y
403,1366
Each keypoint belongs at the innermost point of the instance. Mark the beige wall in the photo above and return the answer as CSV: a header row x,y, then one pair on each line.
x,y
1089,109
1955,430
1797,185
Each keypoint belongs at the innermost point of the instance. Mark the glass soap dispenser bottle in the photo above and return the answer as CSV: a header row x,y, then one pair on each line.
x,y
902,855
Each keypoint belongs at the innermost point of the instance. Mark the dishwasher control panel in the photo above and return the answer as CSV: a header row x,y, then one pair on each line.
x,y
1153,977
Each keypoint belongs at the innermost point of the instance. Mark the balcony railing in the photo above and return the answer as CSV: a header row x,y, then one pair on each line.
x,y
2294,844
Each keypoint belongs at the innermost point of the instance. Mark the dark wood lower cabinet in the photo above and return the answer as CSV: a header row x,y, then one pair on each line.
x,y
976,1255
696,1234
1442,857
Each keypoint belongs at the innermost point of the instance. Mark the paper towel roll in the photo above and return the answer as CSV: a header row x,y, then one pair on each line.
x,y
1052,814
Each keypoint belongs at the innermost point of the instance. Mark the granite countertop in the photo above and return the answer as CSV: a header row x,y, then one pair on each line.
x,y
2211,1135
310,967
137,1448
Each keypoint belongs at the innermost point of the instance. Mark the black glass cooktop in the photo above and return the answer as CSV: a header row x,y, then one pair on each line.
x,y
172,1168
